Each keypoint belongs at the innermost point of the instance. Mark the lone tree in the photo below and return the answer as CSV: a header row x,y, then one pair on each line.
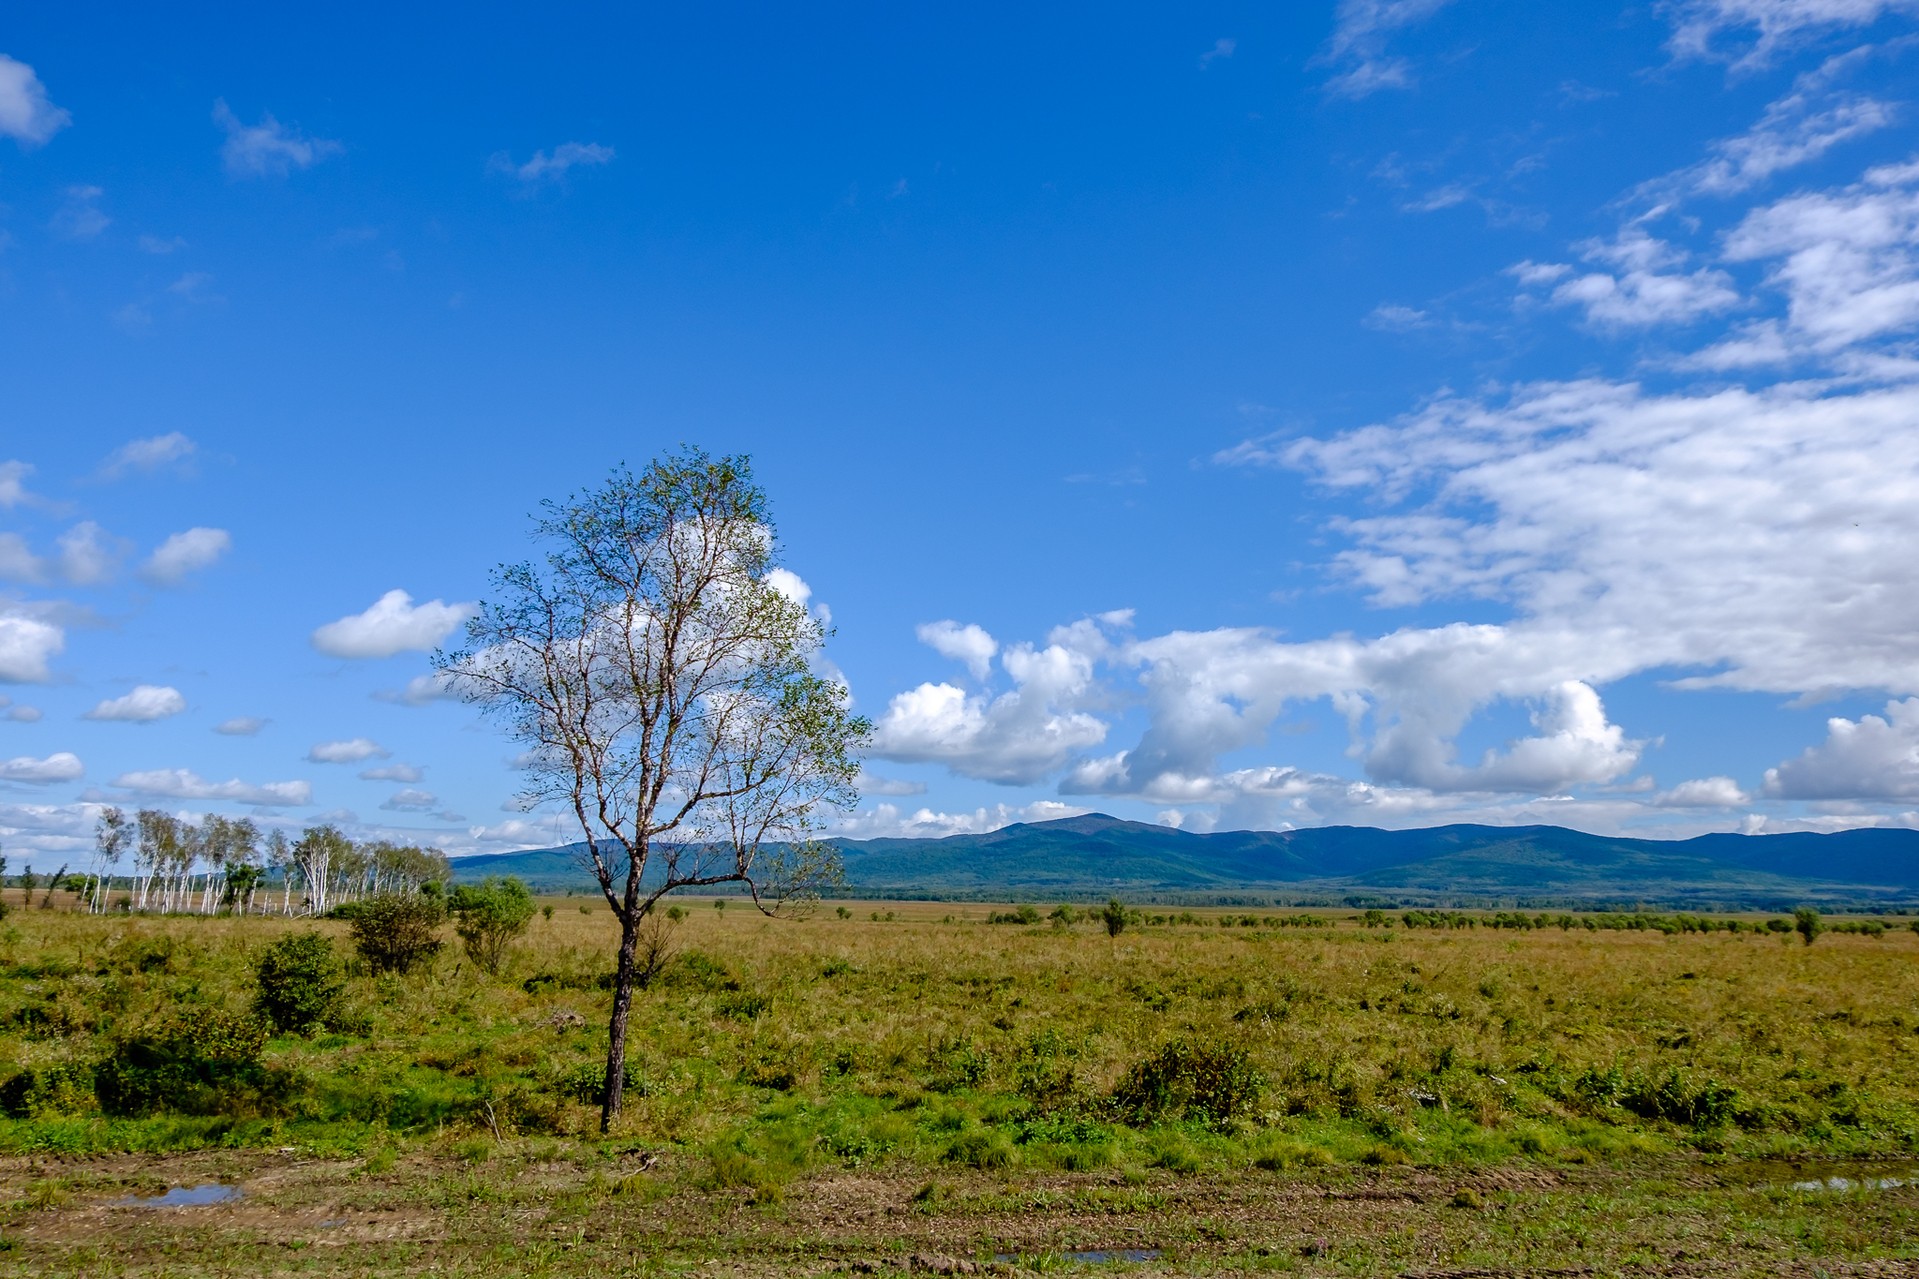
x,y
663,683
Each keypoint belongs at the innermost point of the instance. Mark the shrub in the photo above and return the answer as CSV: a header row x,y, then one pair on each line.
x,y
1114,917
1805,922
194,1061
300,983
489,917
586,1083
396,932
1214,1084
59,1089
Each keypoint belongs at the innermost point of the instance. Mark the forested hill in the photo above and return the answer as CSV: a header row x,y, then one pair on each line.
x,y
1095,855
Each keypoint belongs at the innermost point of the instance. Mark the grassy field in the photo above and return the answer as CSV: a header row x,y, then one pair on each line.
x,y
900,1085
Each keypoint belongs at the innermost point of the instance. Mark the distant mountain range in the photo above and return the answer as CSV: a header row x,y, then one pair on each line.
x,y
1094,856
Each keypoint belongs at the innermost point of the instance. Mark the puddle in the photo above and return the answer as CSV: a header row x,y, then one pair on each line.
x,y
1840,1185
1837,1178
183,1197
1091,1256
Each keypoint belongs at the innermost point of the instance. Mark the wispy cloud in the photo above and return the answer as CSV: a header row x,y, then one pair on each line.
x,y
149,454
1357,46
1222,48
79,216
269,148
552,166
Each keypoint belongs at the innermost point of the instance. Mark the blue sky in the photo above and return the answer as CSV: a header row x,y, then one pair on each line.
x,y
1376,411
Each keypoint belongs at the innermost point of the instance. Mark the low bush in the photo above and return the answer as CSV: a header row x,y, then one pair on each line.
x,y
489,917
1211,1083
397,932
197,1060
300,983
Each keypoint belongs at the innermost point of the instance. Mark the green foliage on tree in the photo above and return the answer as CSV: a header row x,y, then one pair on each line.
x,y
489,916
397,932
1806,922
1114,917
300,983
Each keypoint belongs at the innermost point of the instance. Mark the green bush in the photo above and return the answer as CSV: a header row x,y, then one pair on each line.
x,y
300,983
196,1060
489,917
61,1089
1114,917
1806,922
1211,1083
397,932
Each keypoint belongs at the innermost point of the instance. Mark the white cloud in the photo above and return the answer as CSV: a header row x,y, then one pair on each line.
x,y
968,644
180,783
411,801
1847,260
1018,736
79,216
183,553
886,821
550,167
872,784
149,454
62,766
88,554
1703,792
1762,28
27,644
1797,129
26,114
240,726
347,752
1222,48
422,690
18,563
145,704
267,149
1390,317
393,773
1644,287
1357,46
160,247
13,484
1871,758
394,624
549,833
19,714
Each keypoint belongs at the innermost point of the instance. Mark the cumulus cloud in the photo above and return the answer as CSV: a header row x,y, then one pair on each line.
x,y
240,726
145,704
393,773
62,766
184,553
1703,792
181,783
1389,317
266,149
27,644
1018,736
18,563
19,714
968,644
27,115
394,624
147,455
1357,47
1875,757
347,752
411,801
552,166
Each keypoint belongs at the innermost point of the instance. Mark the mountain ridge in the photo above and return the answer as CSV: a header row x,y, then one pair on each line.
x,y
1094,854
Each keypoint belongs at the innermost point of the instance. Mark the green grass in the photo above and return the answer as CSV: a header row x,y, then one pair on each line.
x,y
775,1056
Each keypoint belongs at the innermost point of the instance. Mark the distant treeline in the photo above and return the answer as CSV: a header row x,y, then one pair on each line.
x,y
226,864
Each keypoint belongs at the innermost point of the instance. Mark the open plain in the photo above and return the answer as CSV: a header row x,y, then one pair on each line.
x,y
889,1086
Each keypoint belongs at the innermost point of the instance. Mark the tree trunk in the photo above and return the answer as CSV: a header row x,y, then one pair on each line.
x,y
616,1033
